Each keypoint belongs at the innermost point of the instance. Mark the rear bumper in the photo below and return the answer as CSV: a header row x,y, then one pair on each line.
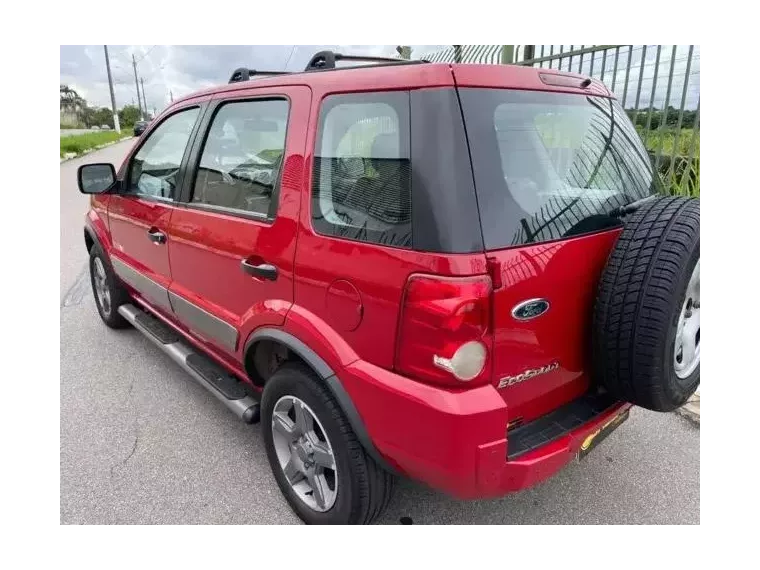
x,y
457,441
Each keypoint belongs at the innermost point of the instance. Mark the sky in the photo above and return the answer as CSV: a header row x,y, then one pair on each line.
x,y
181,70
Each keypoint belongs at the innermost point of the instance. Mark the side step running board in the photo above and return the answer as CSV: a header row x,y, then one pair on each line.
x,y
208,374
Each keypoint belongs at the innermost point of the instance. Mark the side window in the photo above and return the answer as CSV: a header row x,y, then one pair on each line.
x,y
361,185
154,168
242,156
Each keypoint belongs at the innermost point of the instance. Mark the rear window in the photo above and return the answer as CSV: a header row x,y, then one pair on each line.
x,y
551,165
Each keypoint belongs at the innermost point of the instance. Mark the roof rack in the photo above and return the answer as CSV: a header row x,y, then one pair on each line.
x,y
244,74
321,61
325,60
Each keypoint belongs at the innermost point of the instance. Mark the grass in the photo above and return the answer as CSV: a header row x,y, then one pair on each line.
x,y
86,141
666,139
680,177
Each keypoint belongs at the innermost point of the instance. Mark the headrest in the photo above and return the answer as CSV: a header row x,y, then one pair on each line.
x,y
385,146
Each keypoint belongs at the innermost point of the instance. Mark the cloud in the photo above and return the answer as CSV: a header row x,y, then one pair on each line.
x,y
181,70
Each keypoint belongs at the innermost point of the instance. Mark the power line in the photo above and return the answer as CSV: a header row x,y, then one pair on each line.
x,y
288,60
144,55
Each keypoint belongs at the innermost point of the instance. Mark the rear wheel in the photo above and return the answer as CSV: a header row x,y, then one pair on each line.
x,y
316,459
646,335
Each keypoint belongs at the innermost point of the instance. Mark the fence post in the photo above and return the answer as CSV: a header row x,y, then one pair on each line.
x,y
458,54
508,54
529,52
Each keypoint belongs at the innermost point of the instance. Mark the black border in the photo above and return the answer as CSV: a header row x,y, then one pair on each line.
x,y
728,460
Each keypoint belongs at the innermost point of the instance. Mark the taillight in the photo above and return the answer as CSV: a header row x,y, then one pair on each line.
x,y
444,333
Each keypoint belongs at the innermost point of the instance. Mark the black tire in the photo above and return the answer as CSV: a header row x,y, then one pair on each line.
x,y
364,488
118,295
641,294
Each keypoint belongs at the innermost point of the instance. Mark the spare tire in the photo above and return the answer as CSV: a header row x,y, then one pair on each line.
x,y
645,337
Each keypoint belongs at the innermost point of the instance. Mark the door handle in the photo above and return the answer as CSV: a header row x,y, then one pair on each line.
x,y
156,236
262,270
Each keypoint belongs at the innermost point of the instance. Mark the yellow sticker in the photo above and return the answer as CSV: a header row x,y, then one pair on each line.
x,y
587,442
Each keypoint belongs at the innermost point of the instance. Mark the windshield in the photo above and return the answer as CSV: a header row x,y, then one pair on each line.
x,y
551,165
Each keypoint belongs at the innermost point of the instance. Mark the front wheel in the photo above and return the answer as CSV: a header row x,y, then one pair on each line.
x,y
108,292
316,459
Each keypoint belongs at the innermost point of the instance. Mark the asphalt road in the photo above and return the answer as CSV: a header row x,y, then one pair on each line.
x,y
141,443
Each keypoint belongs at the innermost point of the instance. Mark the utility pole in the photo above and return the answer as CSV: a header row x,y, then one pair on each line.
x,y
137,86
145,103
116,125
171,96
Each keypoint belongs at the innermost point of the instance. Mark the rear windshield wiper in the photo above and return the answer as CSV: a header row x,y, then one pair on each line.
x,y
622,211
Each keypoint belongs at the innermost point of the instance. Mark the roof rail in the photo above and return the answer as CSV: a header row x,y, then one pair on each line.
x,y
325,60
244,74
321,61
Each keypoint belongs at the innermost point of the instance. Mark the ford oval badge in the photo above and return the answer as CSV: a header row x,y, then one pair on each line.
x,y
530,309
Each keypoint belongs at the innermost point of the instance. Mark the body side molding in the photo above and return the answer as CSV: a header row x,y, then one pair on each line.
x,y
150,289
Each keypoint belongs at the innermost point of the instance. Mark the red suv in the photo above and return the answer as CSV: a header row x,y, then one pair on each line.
x,y
462,274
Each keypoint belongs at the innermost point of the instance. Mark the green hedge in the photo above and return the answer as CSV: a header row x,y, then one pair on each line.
x,y
83,142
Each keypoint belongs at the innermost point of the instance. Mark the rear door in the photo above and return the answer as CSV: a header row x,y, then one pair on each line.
x,y
232,243
549,170
139,214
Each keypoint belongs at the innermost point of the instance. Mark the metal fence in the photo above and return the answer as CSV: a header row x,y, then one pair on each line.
x,y
657,85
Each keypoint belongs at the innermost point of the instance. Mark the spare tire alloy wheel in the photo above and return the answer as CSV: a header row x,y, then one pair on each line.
x,y
304,453
686,349
646,333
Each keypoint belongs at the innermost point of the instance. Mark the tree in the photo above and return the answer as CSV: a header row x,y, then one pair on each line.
x,y
128,116
404,52
88,117
72,105
103,116
687,121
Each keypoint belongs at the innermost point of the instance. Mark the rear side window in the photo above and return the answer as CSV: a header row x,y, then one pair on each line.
x,y
362,176
551,165
242,157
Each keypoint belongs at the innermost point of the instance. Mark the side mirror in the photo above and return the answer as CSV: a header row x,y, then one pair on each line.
x,y
96,178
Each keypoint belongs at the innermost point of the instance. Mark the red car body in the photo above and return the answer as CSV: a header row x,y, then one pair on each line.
x,y
343,299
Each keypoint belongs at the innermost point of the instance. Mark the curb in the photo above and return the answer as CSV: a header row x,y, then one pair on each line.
x,y
690,410
70,155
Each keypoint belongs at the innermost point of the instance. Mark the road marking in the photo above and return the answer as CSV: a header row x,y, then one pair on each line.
x,y
78,290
